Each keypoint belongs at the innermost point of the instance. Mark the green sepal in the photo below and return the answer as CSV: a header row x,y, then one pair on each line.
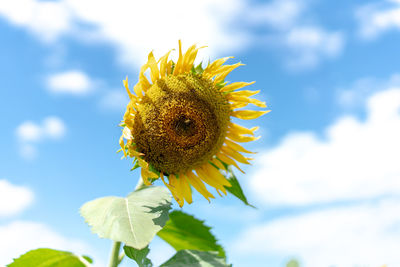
x,y
198,69
235,188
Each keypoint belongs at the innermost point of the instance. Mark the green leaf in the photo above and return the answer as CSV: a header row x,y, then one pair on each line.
x,y
195,258
236,189
292,263
45,257
184,231
133,220
139,255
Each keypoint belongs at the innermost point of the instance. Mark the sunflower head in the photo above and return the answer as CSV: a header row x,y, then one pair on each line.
x,y
177,125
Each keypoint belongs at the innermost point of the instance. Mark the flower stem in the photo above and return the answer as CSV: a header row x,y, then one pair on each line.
x,y
114,258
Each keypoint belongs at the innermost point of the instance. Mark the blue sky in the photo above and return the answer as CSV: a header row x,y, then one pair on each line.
x,y
325,179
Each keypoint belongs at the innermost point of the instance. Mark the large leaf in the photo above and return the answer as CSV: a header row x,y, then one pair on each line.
x,y
139,255
236,189
133,220
195,258
45,257
184,231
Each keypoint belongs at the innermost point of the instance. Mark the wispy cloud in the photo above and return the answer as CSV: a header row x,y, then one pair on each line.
x,y
70,82
355,235
29,133
376,18
289,29
353,160
14,198
225,26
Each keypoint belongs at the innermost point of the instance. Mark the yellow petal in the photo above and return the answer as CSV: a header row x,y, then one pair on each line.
x,y
237,105
187,64
234,154
155,73
207,178
178,66
243,93
241,130
234,86
125,82
241,138
178,193
218,163
221,76
198,185
185,188
237,147
228,161
122,144
146,175
163,64
169,67
248,114
243,99
209,70
216,175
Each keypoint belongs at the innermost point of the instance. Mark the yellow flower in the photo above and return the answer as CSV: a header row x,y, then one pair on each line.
x,y
177,125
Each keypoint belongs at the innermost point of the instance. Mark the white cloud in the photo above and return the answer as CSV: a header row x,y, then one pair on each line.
x,y
359,235
289,29
30,133
309,45
377,18
137,27
18,237
353,160
45,19
71,82
13,199
355,95
282,14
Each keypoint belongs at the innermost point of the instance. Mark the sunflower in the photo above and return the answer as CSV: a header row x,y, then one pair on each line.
x,y
177,125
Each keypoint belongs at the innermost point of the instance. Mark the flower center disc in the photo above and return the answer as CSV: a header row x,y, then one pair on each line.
x,y
181,123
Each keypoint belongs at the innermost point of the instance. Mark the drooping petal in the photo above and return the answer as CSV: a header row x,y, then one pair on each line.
x,y
237,147
178,193
241,138
218,163
234,154
185,188
216,175
198,185
207,178
228,161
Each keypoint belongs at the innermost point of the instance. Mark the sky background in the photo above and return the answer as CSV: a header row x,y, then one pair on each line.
x,y
326,177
